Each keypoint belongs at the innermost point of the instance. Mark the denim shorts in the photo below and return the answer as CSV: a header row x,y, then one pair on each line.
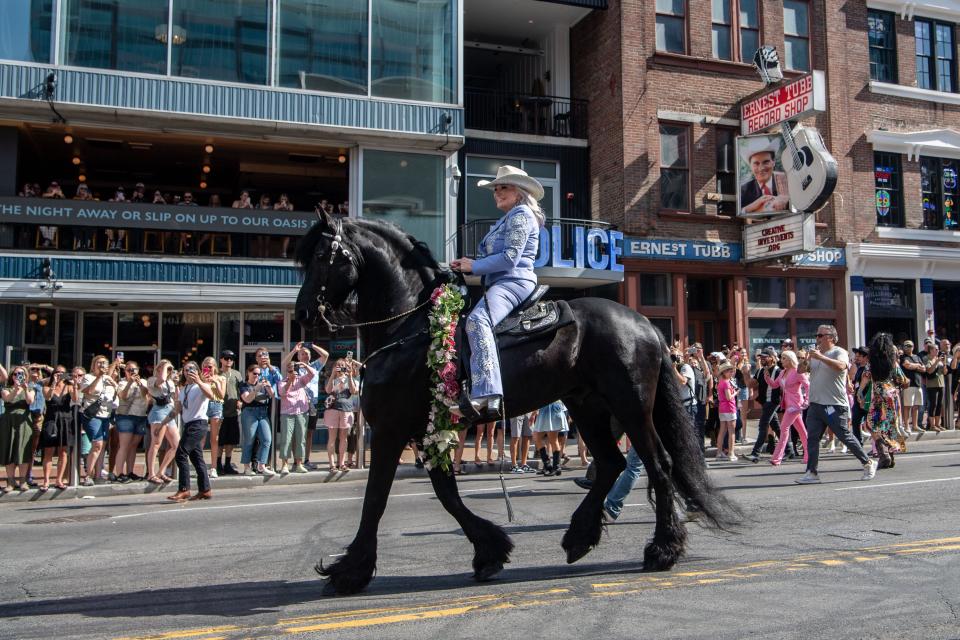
x,y
96,428
158,413
137,425
215,410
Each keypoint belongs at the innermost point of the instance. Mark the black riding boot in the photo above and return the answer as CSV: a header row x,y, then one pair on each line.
x,y
556,463
545,468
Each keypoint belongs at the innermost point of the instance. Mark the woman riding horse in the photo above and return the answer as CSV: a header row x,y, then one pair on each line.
x,y
507,254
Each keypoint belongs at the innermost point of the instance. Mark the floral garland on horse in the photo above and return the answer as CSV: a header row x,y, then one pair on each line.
x,y
443,427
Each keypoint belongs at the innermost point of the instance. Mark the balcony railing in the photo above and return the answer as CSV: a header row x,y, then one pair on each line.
x,y
470,234
518,113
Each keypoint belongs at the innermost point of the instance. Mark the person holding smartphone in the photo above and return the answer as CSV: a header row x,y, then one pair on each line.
x,y
131,420
304,355
210,374
162,389
256,394
16,429
338,416
294,408
99,399
58,432
192,405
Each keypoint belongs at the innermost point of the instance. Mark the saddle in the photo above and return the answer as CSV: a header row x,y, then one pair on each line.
x,y
532,319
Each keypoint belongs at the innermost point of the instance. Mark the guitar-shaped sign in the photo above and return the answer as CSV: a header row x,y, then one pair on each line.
x,y
811,170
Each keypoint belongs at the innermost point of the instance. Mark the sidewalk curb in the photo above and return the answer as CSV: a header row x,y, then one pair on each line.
x,y
314,477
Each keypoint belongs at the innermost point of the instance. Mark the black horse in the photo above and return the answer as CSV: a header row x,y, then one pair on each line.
x,y
610,364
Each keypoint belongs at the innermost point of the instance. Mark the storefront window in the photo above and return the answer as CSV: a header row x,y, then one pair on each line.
x,y
137,329
67,338
767,333
97,336
807,331
127,35
407,189
25,30
262,327
655,290
480,204
40,326
814,293
220,40
187,336
322,45
939,192
767,293
413,50
890,305
229,333
888,189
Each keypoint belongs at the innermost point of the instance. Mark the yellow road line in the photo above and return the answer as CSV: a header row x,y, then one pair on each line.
x,y
368,617
191,633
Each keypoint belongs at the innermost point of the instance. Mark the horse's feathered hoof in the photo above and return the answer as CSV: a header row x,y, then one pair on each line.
x,y
487,572
576,552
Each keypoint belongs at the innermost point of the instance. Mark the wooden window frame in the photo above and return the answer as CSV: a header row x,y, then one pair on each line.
x,y
894,71
688,168
932,60
807,37
736,30
686,28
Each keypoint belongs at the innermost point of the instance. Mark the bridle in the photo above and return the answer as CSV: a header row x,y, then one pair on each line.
x,y
337,247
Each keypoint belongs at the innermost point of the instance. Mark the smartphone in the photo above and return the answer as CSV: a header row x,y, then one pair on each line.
x,y
308,346
349,355
119,355
207,371
20,377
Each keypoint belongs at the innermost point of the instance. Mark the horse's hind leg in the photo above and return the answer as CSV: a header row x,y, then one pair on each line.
x,y
670,535
586,525
491,544
353,571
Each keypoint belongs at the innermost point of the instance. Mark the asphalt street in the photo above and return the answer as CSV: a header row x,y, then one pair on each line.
x,y
844,559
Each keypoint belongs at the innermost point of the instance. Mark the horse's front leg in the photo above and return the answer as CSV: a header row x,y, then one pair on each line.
x,y
491,544
353,571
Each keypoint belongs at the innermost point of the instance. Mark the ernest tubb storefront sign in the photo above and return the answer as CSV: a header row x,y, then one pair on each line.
x,y
784,177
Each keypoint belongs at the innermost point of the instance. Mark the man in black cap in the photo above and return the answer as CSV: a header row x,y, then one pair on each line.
x,y
769,399
859,414
230,427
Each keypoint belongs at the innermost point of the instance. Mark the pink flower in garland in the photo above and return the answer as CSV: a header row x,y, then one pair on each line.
x,y
451,388
449,372
436,294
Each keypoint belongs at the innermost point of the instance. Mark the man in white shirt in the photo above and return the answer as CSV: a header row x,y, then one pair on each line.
x,y
191,405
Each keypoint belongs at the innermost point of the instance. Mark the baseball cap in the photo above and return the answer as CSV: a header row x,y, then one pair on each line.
x,y
908,343
226,353
770,351
927,341
861,350
719,357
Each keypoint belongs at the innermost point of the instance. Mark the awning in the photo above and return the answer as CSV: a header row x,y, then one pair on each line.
x,y
946,9
942,143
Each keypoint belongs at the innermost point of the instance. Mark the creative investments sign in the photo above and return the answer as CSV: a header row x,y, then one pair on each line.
x,y
135,215
780,237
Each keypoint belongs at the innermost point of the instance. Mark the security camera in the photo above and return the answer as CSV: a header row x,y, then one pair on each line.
x,y
43,286
57,286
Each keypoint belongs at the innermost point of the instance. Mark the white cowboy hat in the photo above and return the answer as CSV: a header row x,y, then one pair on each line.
x,y
752,145
518,178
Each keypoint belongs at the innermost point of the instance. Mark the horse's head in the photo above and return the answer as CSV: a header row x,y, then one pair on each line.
x,y
331,264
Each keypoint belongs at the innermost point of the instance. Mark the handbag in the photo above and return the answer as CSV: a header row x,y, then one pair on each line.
x,y
92,409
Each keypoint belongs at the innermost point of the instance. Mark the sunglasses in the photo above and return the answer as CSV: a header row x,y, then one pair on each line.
x,y
824,335
255,373
132,370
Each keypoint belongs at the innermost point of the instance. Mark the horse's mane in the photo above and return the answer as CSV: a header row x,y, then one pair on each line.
x,y
389,231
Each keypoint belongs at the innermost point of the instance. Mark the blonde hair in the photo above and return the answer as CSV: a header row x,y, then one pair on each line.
x,y
213,365
532,204
791,357
93,363
162,366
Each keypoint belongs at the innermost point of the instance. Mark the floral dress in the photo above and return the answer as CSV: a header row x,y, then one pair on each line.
x,y
883,411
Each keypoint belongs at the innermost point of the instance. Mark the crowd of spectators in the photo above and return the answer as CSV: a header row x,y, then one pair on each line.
x,y
111,413
184,242
719,384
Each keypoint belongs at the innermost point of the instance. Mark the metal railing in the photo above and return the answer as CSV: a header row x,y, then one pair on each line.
x,y
469,235
520,113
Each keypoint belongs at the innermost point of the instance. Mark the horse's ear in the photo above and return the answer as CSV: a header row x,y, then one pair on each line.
x,y
325,219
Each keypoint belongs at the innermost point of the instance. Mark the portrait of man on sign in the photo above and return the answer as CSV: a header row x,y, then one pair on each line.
x,y
763,185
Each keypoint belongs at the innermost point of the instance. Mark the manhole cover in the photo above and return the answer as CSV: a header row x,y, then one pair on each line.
x,y
64,519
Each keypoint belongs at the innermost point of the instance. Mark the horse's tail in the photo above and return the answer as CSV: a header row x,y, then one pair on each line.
x,y
677,432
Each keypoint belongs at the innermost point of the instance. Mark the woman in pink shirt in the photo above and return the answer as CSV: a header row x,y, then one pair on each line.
x,y
294,410
795,387
727,408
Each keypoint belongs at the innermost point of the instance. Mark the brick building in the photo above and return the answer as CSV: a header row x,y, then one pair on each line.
x,y
664,82
895,124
